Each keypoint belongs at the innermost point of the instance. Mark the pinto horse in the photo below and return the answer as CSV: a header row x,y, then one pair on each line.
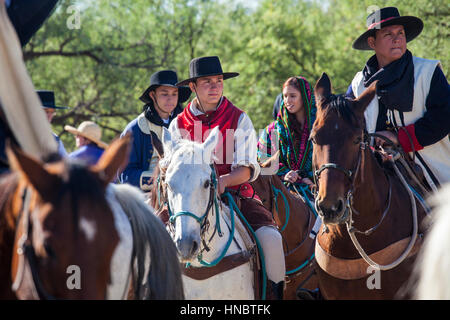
x,y
64,235
356,192
295,221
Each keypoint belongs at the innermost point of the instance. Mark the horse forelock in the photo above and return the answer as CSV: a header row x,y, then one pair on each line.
x,y
342,106
186,152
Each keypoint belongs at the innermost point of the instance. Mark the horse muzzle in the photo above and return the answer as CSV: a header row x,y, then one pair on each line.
x,y
188,247
332,212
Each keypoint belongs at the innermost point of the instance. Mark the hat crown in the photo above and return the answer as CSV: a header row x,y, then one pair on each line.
x,y
375,18
205,66
90,129
47,97
164,77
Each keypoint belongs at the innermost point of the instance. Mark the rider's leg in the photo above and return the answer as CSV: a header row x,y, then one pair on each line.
x,y
270,239
272,246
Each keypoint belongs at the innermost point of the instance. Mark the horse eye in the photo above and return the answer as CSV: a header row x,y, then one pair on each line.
x,y
206,185
357,140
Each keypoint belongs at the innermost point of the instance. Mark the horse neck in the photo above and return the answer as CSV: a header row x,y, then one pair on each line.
x,y
299,213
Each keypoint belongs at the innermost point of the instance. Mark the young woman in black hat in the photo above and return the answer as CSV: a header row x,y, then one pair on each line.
x,y
412,105
163,101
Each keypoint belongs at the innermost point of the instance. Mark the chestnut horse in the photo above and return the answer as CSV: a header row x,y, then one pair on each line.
x,y
63,234
295,221
356,192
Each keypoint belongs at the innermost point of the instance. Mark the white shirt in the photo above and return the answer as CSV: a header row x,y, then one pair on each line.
x,y
245,142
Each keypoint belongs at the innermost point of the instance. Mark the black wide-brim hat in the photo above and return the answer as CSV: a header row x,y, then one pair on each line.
x,y
166,78
387,17
48,99
206,67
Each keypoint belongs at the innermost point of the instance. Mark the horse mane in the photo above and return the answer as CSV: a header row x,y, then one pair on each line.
x,y
8,182
192,146
433,265
149,235
342,106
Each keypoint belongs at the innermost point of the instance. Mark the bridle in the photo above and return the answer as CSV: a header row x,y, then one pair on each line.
x,y
203,219
351,175
26,253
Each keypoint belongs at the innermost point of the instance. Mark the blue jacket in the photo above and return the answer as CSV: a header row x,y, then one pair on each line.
x,y
89,153
140,155
139,171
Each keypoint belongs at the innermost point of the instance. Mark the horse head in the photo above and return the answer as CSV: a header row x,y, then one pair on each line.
x,y
338,136
65,234
191,181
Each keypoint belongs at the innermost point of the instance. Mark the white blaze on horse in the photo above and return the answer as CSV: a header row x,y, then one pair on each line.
x,y
206,239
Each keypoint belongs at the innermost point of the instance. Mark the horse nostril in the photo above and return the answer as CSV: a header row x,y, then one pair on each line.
x,y
194,247
338,207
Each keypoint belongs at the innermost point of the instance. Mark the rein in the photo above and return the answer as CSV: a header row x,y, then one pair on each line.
x,y
350,209
27,254
276,193
202,220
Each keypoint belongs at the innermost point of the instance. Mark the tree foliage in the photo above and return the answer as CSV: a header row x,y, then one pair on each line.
x,y
100,69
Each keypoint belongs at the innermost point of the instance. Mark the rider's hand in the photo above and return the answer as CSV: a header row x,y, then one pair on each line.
x,y
292,176
222,184
388,134
308,182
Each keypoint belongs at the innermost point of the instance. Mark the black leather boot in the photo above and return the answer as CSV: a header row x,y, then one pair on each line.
x,y
274,290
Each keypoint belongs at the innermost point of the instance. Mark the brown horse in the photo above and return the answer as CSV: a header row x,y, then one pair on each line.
x,y
62,235
295,221
356,191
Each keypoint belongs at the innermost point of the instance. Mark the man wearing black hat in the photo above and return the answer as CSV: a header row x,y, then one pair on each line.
x,y
48,103
163,101
236,165
412,105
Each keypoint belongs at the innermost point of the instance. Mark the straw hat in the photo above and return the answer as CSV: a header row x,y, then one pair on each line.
x,y
89,130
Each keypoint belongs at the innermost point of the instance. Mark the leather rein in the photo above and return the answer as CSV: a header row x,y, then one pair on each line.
x,y
26,253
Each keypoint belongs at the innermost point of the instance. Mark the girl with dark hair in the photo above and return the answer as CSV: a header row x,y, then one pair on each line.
x,y
292,126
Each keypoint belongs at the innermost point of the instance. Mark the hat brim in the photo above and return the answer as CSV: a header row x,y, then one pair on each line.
x,y
183,93
413,27
226,75
75,131
55,107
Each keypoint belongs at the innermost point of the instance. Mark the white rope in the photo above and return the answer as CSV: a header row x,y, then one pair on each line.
x,y
405,254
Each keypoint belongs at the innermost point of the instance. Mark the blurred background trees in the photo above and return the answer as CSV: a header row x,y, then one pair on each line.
x,y
100,69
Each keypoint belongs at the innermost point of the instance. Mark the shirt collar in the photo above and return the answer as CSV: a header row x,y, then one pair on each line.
x,y
196,112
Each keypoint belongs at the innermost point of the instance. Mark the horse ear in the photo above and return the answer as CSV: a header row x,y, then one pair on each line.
x,y
210,143
114,159
365,98
322,89
32,169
